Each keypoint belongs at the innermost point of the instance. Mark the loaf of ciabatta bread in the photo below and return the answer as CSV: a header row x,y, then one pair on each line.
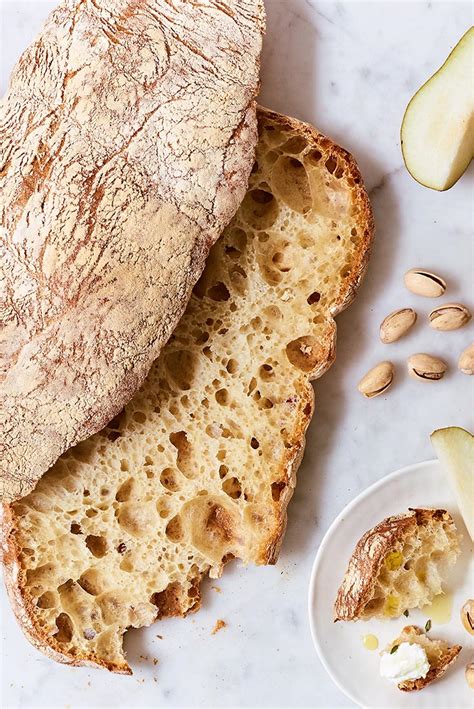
x,y
127,136
201,464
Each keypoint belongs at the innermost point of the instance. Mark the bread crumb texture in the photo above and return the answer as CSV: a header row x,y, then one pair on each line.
x,y
200,465
127,137
399,564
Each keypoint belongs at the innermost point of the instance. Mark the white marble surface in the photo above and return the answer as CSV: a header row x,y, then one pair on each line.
x,y
349,68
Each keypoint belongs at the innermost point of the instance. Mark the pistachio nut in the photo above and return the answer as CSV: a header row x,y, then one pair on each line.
x,y
469,673
377,380
467,616
424,283
466,360
397,324
450,316
425,366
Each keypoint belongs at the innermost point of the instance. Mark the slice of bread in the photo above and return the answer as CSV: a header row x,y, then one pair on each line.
x,y
397,565
440,656
200,466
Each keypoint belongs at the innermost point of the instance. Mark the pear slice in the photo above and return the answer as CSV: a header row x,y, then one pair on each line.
x,y
437,133
455,450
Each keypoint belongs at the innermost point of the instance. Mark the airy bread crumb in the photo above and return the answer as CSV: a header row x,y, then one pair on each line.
x,y
200,465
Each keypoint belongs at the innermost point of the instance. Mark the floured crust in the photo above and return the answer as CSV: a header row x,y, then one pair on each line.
x,y
440,656
360,580
127,138
212,441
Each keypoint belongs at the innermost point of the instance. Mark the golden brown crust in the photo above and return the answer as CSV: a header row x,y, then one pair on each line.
x,y
447,658
128,135
360,579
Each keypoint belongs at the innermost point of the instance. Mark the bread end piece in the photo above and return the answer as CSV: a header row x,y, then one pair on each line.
x,y
383,574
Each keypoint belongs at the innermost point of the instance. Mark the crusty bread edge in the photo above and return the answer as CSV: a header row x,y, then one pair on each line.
x,y
450,656
364,567
270,552
22,605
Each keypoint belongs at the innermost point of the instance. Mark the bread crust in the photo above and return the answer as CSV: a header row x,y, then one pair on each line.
x,y
449,656
127,138
347,294
360,579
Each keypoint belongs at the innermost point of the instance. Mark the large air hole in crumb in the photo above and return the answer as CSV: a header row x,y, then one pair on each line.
x,y
96,545
294,145
219,292
314,157
303,353
266,372
125,490
254,443
75,528
223,470
47,600
169,479
65,628
124,465
174,529
91,512
280,262
139,417
277,489
252,385
91,582
331,164
291,182
265,403
232,487
259,209
222,397
315,297
232,366
181,367
184,460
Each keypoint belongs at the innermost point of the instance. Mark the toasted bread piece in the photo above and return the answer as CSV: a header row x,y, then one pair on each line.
x,y
201,464
397,565
440,656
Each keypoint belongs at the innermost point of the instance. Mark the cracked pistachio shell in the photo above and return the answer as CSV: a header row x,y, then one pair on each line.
x,y
450,316
377,380
426,367
424,283
397,324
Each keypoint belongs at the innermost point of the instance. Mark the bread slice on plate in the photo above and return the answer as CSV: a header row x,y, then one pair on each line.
x,y
127,136
201,464
398,565
439,654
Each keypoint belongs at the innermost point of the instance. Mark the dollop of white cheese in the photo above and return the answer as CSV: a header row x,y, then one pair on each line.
x,y
409,661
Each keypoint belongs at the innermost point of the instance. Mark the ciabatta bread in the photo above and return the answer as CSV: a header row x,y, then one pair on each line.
x,y
439,654
201,464
126,139
398,565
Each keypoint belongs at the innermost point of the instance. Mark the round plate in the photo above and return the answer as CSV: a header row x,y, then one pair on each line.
x,y
354,669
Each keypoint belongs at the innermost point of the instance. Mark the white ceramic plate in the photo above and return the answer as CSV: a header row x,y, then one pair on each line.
x,y
353,668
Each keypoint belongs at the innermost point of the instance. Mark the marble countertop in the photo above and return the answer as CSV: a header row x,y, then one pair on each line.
x,y
350,69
